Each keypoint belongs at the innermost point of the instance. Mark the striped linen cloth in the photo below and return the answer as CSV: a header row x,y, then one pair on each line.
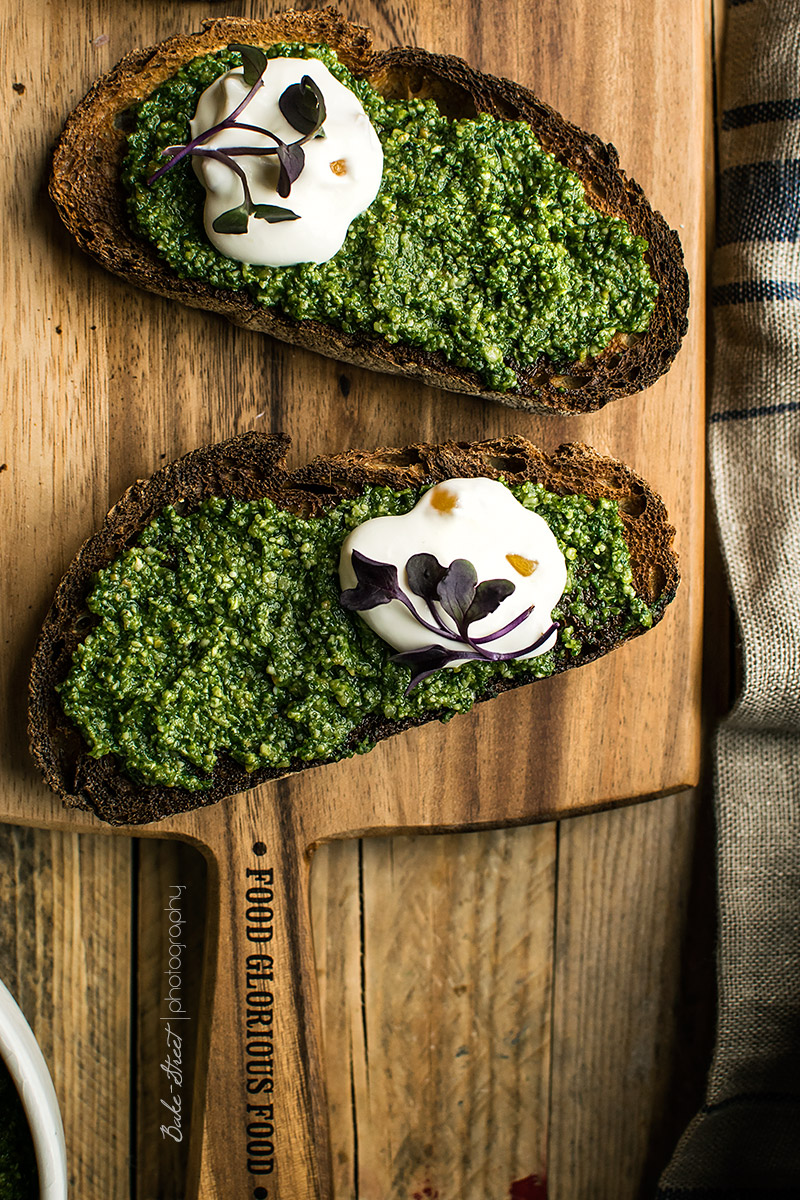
x,y
745,1142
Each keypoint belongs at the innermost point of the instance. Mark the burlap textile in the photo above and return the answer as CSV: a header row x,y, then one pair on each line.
x,y
746,1139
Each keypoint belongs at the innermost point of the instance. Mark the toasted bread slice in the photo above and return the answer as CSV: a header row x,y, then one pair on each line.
x,y
252,466
86,188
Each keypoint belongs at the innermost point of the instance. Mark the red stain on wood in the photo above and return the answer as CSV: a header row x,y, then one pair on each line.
x,y
533,1187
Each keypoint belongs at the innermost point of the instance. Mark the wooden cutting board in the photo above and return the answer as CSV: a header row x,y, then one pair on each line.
x,y
104,384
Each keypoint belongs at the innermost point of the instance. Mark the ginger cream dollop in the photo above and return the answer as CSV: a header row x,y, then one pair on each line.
x,y
340,179
481,521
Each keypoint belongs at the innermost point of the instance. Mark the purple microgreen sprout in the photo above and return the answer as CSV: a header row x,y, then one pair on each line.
x,y
274,214
489,595
254,62
376,584
303,106
427,660
454,589
425,573
292,160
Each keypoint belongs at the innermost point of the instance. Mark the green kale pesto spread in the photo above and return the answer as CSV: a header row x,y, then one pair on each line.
x,y
479,244
221,631
18,1174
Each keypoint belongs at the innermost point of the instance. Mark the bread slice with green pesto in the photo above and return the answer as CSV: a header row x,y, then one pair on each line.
x,y
507,254
198,645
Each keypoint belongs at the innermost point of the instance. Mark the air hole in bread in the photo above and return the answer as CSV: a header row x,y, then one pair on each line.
x,y
634,504
613,360
225,465
405,83
656,580
321,489
408,458
570,382
507,465
86,234
501,109
125,121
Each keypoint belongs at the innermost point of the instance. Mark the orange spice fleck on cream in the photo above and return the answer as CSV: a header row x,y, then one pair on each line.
x,y
524,566
443,500
339,167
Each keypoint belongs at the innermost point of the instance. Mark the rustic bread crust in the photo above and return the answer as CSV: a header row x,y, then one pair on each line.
x,y
251,466
86,189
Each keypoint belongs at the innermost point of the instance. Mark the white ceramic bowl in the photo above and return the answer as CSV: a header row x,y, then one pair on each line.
x,y
20,1051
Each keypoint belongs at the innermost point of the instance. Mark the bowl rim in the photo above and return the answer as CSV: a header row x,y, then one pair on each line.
x,y
22,1055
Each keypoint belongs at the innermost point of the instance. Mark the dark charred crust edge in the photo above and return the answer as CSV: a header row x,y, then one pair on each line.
x,y
250,466
85,187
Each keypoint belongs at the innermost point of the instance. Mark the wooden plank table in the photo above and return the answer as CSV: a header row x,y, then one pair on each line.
x,y
460,976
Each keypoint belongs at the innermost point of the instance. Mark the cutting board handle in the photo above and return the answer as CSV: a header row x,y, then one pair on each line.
x,y
259,1123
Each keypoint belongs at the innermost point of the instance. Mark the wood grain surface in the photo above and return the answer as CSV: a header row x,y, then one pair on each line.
x,y
543,1015
102,384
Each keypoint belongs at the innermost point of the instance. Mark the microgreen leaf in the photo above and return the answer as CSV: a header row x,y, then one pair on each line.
x,y
489,595
254,62
273,213
235,220
377,584
303,106
426,660
456,591
292,160
425,573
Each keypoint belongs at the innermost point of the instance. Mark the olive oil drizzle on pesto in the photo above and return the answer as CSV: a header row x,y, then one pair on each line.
x,y
221,631
479,244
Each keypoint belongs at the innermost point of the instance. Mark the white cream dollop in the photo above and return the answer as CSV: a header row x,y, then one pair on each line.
x,y
340,179
479,520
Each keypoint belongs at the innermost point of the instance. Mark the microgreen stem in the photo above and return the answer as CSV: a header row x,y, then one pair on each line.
x,y
441,631
437,617
492,637
477,644
528,649
222,156
192,146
